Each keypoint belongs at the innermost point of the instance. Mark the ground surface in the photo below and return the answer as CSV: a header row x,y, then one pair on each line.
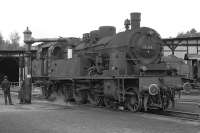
x,y
188,103
45,117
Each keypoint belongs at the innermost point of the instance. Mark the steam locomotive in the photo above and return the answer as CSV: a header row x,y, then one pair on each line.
x,y
110,69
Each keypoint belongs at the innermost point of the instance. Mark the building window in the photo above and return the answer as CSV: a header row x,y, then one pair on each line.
x,y
69,53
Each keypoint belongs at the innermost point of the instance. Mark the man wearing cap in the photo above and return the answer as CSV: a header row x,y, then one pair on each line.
x,y
5,85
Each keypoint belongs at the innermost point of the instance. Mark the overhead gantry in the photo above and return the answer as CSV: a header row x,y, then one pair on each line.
x,y
187,42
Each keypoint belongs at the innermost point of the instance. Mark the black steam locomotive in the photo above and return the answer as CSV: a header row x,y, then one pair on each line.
x,y
110,69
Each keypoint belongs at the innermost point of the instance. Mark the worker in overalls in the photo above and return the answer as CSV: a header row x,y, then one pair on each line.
x,y
5,85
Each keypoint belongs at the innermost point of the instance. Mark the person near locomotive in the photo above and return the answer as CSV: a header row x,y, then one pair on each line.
x,y
5,85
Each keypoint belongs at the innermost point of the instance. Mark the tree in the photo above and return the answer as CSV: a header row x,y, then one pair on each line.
x,y
190,33
2,42
193,31
12,43
14,38
1,39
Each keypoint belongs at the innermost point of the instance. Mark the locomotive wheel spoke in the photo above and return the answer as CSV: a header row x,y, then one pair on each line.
x,y
101,101
133,102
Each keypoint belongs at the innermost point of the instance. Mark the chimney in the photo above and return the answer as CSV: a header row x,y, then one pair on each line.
x,y
135,20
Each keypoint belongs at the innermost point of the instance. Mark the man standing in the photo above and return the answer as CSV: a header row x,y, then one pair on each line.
x,y
5,85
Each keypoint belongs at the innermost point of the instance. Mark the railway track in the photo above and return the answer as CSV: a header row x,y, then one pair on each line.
x,y
178,114
169,113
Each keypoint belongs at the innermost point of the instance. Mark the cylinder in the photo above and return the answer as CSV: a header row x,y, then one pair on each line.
x,y
135,20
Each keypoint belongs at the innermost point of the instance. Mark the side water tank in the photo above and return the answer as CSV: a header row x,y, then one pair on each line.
x,y
106,31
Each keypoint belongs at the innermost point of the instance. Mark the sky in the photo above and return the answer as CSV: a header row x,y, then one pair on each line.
x,y
72,18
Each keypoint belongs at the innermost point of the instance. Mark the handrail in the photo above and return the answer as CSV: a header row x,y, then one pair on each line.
x,y
14,84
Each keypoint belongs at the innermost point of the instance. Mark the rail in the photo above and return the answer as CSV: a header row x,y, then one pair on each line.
x,y
178,114
184,115
15,86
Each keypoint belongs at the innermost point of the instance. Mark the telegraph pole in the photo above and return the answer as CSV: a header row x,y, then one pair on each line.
x,y
28,76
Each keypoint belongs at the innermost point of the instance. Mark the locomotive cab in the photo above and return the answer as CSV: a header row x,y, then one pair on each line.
x,y
40,64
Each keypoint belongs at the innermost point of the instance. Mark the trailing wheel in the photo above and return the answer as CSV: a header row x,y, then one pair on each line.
x,y
68,93
133,100
94,98
80,96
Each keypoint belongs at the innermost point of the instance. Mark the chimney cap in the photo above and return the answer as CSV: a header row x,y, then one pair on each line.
x,y
136,15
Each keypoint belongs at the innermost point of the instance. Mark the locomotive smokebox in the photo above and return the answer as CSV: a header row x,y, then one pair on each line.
x,y
135,20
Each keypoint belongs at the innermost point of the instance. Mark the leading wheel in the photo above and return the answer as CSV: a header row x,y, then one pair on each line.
x,y
133,100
